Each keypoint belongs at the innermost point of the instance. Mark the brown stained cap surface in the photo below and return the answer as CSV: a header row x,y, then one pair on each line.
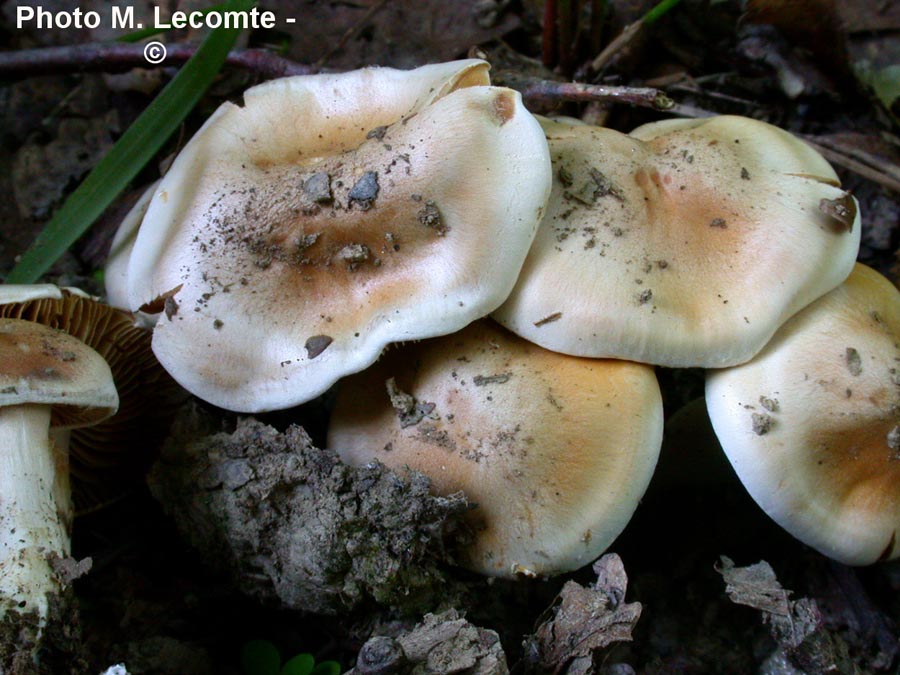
x,y
41,365
287,264
555,451
681,244
812,424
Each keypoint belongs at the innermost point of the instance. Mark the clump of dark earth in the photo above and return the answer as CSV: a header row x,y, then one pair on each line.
x,y
55,649
289,522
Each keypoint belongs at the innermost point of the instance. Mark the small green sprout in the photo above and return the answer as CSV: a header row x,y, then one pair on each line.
x,y
261,657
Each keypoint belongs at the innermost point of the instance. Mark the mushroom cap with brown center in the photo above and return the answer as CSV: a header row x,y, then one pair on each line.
x,y
685,243
106,459
49,367
812,424
297,235
554,451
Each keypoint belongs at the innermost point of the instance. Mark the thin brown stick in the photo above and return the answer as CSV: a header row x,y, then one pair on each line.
x,y
352,31
536,91
873,173
116,57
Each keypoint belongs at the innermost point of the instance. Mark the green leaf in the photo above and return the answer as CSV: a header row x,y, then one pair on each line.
x,y
302,664
260,657
327,668
137,146
886,84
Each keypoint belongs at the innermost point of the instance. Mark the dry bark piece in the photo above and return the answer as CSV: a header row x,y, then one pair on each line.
x,y
554,451
796,625
423,227
825,469
443,644
288,521
584,621
48,380
685,243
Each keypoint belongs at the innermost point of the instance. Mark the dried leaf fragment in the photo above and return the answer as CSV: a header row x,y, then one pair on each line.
x,y
586,619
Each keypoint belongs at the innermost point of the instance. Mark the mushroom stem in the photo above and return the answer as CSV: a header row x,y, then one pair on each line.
x,y
35,510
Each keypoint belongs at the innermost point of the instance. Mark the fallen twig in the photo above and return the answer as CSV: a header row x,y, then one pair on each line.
x,y
117,57
544,91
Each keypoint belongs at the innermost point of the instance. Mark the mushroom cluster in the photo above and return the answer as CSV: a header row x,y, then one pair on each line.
x,y
300,233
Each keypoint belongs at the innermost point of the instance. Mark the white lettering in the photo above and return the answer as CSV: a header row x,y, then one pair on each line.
x,y
46,20
123,17
23,15
253,18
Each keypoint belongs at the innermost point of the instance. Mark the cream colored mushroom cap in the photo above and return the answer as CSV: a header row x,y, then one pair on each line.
x,y
555,451
115,273
296,236
684,244
44,366
812,424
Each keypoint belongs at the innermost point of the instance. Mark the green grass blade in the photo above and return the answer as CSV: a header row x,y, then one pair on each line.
x,y
137,146
660,10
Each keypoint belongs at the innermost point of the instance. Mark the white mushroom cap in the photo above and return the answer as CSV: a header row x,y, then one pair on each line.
x,y
812,424
49,367
115,274
297,235
685,243
555,451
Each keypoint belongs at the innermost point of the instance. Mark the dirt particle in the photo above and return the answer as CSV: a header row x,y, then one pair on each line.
x,y
377,133
482,380
645,297
306,241
354,255
430,216
217,324
170,307
565,177
745,175
409,411
853,361
841,212
770,404
365,190
718,222
762,423
605,187
317,344
550,318
317,188
893,442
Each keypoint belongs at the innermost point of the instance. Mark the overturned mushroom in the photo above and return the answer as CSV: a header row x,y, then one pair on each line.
x,y
685,243
48,379
812,424
554,451
296,235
